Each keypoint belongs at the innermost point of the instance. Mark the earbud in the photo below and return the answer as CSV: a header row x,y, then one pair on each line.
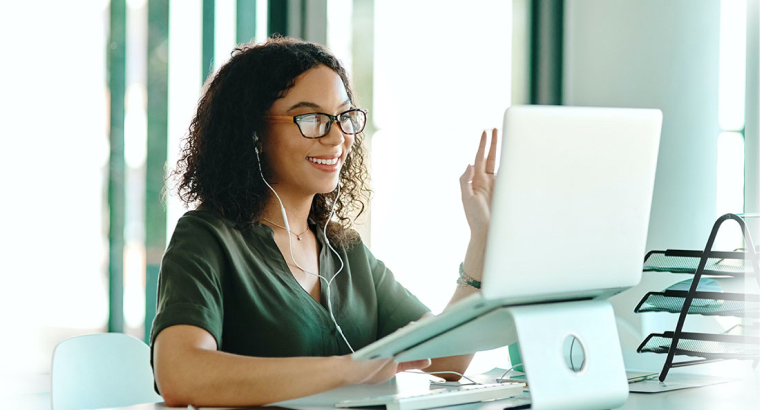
x,y
256,144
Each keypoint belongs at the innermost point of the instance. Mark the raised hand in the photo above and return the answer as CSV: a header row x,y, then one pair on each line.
x,y
477,184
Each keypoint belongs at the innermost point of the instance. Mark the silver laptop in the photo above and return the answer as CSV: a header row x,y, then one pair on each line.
x,y
570,216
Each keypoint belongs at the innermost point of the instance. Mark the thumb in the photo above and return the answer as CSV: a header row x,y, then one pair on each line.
x,y
465,181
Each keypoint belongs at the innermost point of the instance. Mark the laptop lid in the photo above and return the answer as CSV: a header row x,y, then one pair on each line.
x,y
571,203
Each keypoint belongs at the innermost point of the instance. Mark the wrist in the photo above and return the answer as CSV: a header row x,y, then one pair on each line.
x,y
473,259
466,280
344,368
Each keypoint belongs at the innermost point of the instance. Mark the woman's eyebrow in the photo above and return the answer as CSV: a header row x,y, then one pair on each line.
x,y
304,104
309,104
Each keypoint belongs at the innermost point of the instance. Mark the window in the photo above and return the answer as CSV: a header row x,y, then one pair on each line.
x,y
442,75
730,175
54,167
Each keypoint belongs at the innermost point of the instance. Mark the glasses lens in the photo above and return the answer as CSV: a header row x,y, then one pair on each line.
x,y
352,122
313,125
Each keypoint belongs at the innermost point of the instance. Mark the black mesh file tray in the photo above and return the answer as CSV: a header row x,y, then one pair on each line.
x,y
685,261
707,347
704,345
703,303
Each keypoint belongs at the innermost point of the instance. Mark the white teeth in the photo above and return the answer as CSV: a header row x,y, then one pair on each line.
x,y
323,161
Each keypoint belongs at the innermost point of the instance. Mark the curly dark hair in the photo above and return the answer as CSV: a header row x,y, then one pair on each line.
x,y
218,166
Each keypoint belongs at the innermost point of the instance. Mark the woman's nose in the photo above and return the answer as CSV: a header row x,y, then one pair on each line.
x,y
334,137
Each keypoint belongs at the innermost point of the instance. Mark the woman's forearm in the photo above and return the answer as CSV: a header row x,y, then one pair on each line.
x,y
472,266
190,370
212,378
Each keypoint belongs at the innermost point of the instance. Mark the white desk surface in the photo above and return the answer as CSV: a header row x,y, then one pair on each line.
x,y
742,394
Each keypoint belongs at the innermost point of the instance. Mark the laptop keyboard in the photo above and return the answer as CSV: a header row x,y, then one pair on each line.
x,y
440,397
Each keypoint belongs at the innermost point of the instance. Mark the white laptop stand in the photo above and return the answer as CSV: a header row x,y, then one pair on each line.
x,y
542,329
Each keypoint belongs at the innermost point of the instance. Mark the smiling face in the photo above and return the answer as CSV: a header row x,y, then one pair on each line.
x,y
301,165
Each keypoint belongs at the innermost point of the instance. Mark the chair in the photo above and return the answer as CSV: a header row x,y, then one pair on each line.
x,y
101,370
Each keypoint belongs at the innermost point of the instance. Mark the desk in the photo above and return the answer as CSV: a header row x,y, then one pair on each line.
x,y
739,395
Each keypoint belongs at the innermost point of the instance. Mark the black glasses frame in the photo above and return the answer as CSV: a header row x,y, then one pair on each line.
x,y
333,118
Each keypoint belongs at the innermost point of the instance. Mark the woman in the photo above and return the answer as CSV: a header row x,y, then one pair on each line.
x,y
263,294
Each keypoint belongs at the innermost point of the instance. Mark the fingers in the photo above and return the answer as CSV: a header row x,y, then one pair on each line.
x,y
381,369
481,173
480,165
416,364
483,164
384,373
491,160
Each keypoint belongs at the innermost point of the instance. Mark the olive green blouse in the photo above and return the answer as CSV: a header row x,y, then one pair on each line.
x,y
236,285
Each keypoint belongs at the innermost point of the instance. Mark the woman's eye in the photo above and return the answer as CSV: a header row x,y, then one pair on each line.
x,y
311,119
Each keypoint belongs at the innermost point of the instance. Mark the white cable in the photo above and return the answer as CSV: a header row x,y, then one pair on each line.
x,y
508,370
330,281
442,372
290,248
329,300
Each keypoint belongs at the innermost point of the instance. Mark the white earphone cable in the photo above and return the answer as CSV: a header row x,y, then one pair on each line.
x,y
290,247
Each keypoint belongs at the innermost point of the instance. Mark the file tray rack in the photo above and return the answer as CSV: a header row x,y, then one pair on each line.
x,y
722,264
705,346
703,303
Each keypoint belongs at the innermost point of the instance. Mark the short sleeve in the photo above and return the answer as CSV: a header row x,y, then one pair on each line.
x,y
396,306
189,285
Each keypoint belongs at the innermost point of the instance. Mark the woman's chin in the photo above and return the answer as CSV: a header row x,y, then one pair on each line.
x,y
328,188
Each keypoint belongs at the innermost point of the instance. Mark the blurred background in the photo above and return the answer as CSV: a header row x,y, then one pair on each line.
x,y
97,95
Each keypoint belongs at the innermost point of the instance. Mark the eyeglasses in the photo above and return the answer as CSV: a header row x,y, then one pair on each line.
x,y
317,124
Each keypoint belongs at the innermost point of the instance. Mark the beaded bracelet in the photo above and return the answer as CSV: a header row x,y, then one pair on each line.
x,y
465,279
